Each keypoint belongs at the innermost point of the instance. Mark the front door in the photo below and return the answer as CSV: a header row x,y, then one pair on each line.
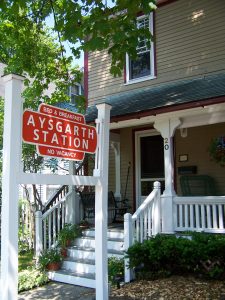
x,y
149,163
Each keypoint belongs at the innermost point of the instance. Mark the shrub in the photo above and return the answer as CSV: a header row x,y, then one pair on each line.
x,y
31,278
164,255
115,269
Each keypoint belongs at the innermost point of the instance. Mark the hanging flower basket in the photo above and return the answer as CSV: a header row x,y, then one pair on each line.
x,y
217,150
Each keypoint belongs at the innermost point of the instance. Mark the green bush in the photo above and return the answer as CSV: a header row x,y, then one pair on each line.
x,y
31,278
164,255
115,269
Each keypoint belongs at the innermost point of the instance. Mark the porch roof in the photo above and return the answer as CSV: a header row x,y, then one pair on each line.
x,y
164,97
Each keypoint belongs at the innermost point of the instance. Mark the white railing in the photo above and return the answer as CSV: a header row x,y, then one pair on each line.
x,y
146,220
200,214
50,223
144,223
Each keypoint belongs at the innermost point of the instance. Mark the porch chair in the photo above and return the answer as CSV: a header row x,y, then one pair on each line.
x,y
198,185
115,207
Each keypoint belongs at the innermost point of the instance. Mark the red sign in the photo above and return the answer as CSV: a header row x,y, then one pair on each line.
x,y
60,153
61,113
58,133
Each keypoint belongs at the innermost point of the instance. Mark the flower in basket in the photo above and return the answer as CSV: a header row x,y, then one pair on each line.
x,y
217,150
50,259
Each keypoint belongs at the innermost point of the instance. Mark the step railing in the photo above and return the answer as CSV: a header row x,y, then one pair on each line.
x,y
59,194
199,214
49,224
144,223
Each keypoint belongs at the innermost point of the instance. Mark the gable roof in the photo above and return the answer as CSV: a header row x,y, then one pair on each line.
x,y
164,97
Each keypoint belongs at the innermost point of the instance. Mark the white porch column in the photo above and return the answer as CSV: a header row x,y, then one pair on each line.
x,y
128,241
71,208
10,188
116,148
167,128
101,203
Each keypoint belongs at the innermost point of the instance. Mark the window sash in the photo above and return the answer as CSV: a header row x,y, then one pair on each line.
x,y
74,90
144,45
140,67
142,50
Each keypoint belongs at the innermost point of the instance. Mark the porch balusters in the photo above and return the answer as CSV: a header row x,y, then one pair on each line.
x,y
200,214
143,224
49,224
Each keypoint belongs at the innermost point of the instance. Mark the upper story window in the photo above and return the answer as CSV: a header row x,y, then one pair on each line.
x,y
74,90
142,68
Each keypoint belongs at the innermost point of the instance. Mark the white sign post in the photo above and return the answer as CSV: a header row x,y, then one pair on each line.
x,y
11,169
13,176
101,204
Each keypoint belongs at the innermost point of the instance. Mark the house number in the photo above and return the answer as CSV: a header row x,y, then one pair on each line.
x,y
166,142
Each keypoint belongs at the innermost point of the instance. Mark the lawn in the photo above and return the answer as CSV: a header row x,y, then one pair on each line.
x,y
26,260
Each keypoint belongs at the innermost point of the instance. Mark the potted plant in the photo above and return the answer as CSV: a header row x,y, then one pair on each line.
x,y
66,235
50,259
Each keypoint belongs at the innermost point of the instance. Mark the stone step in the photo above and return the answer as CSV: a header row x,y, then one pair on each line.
x,y
89,242
89,252
70,277
79,265
111,233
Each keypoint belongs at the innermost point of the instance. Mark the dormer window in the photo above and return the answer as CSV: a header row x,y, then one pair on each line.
x,y
143,67
74,90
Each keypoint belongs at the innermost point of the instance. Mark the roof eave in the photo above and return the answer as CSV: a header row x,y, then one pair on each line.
x,y
166,109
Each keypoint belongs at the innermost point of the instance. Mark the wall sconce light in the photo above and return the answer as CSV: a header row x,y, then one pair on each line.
x,y
183,132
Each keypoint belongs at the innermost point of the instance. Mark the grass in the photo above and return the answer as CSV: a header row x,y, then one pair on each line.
x,y
26,260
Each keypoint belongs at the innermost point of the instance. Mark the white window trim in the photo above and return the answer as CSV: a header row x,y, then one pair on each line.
x,y
152,58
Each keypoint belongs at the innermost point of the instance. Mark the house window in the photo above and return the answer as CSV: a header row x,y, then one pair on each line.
x,y
74,90
142,68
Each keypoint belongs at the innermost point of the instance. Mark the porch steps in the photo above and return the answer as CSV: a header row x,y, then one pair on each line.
x,y
79,266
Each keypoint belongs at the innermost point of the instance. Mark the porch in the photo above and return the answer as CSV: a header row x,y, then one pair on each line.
x,y
167,152
159,147
202,214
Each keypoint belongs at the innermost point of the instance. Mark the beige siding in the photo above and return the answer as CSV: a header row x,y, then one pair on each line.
x,y
196,146
190,41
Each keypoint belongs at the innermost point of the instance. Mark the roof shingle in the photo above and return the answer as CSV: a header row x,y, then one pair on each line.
x,y
165,95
